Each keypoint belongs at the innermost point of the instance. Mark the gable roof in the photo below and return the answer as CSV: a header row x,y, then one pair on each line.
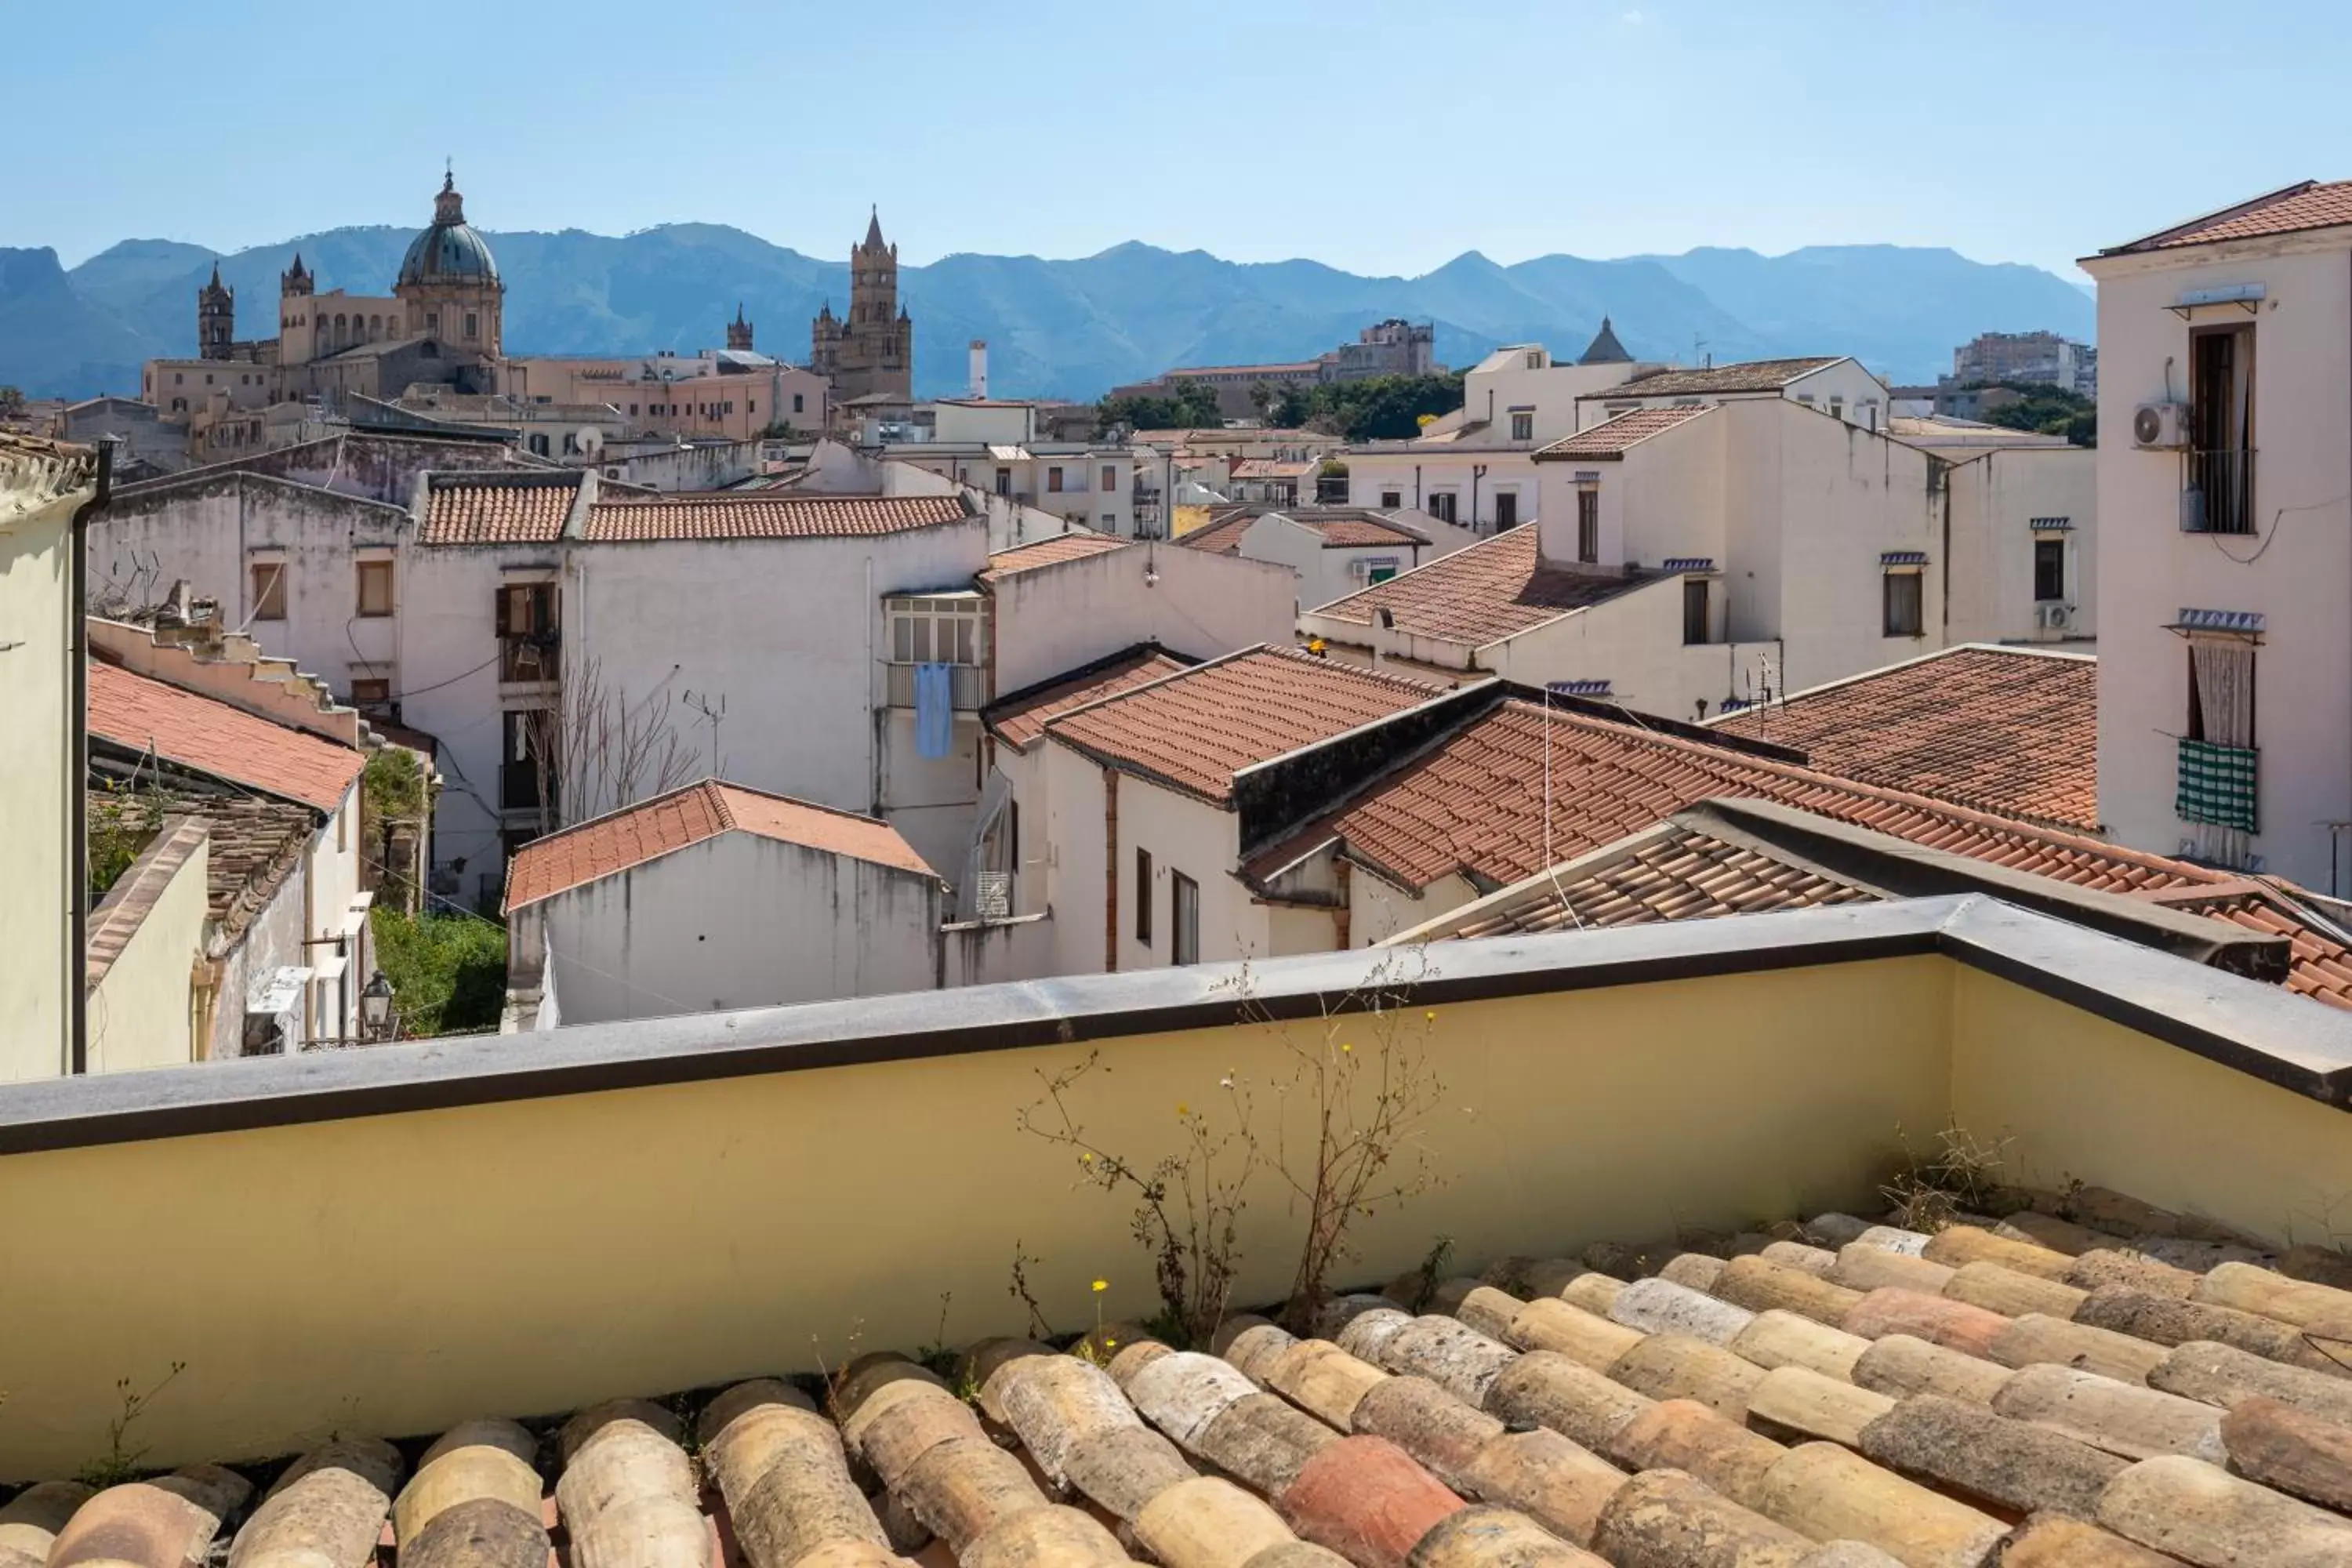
x,y
766,514
1019,717
498,509
1048,553
1340,528
1489,591
2291,209
2009,730
634,835
1473,805
1608,441
1194,731
211,737
1755,376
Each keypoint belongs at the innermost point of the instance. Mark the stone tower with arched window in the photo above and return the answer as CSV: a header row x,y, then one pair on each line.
x,y
873,350
216,318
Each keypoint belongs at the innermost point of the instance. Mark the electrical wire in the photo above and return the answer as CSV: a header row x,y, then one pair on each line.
x,y
2277,518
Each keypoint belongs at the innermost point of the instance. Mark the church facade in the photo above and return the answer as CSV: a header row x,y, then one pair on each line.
x,y
871,354
441,325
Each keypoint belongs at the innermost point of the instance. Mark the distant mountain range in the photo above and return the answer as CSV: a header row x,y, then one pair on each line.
x,y
1069,328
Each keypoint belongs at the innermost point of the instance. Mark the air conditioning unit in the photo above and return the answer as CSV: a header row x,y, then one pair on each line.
x,y
2053,617
2160,427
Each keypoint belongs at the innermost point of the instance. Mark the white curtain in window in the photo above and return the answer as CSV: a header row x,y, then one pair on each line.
x,y
2224,669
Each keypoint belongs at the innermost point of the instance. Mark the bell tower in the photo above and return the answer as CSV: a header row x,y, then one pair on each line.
x,y
216,318
739,331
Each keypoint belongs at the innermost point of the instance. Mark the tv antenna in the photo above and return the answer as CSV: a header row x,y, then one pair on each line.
x,y
1698,353
714,713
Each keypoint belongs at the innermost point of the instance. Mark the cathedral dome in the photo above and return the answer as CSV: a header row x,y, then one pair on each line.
x,y
450,251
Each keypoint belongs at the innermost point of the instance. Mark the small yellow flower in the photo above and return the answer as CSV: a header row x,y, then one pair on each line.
x,y
1345,1047
1086,1159
1431,1016
1110,1344
1101,1285
1183,1109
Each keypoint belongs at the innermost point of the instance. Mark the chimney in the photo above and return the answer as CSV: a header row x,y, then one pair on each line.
x,y
980,367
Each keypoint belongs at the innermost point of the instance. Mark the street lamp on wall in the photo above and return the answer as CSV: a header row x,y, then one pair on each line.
x,y
375,1006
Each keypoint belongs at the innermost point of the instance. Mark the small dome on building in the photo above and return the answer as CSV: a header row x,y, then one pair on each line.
x,y
450,251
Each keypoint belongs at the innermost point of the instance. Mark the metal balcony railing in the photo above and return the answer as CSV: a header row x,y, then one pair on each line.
x,y
535,657
2216,493
967,682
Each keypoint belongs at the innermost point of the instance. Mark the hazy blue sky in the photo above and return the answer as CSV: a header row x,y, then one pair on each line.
x,y
1380,136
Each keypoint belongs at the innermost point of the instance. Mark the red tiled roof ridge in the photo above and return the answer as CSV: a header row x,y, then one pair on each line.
x,y
210,736
721,799
2062,837
2023,650
1611,437
2290,209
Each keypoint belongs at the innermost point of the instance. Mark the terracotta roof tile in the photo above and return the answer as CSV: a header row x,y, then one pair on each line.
x,y
1271,469
1495,589
2007,729
1196,729
1019,718
2309,204
1611,440
213,738
1755,376
487,509
1675,874
1222,537
766,515
652,829
1688,1367
1473,805
1350,533
1049,553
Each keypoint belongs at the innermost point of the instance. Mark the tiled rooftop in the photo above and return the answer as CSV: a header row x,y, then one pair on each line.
x,y
507,509
1271,469
652,829
2084,1383
1196,729
766,515
211,737
1473,805
2292,209
1222,537
1019,717
2007,729
1611,440
1495,589
1755,376
1049,553
1671,872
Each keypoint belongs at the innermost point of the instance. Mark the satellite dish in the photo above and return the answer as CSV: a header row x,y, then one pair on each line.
x,y
590,440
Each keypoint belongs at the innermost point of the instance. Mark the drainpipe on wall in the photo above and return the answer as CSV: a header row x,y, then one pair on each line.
x,y
1110,871
1342,918
78,755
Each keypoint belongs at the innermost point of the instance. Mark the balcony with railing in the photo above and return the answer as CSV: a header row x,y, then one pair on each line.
x,y
968,685
2216,491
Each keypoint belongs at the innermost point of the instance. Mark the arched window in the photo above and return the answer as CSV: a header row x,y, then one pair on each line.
x,y
375,328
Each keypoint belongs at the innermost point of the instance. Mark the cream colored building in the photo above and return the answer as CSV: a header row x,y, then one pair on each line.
x,y
2225,399
41,486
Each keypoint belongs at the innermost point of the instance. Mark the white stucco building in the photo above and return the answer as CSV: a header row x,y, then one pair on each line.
x,y
1472,467
42,485
1689,556
2225,480
715,896
1330,551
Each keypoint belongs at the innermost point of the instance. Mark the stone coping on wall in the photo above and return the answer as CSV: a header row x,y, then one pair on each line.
x,y
2239,1024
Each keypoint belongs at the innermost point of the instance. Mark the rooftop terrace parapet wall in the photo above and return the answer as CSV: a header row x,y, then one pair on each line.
x,y
528,1224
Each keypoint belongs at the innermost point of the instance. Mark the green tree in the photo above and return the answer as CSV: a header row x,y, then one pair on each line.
x,y
1188,404
1384,407
12,402
1292,408
448,972
2047,411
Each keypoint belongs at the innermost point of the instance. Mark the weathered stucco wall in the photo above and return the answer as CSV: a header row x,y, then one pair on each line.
x,y
690,1234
